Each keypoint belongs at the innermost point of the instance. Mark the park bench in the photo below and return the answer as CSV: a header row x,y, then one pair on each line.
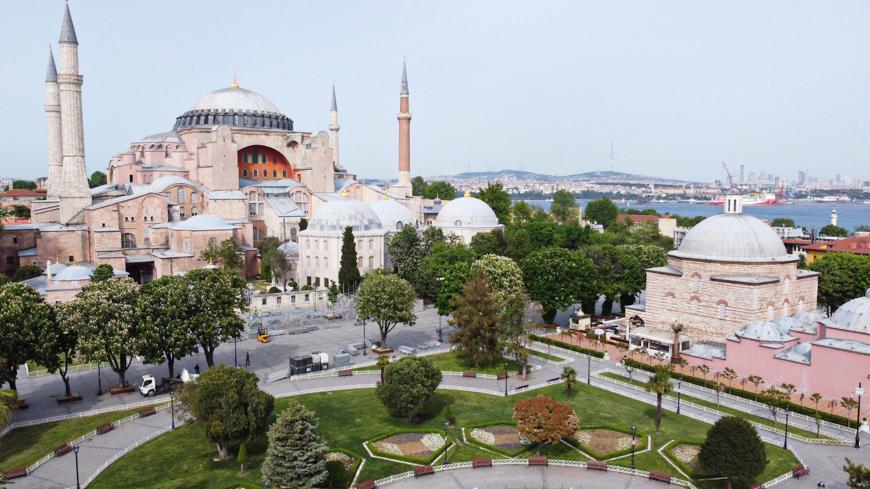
x,y
755,485
521,387
369,484
121,390
65,399
481,462
799,471
105,428
15,472
554,379
469,373
660,476
149,411
62,450
539,460
345,373
596,465
423,470
501,375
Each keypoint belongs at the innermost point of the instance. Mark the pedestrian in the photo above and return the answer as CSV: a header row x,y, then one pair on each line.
x,y
247,359
196,369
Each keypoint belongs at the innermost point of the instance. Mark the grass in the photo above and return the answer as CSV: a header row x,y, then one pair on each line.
x,y
449,362
349,418
724,409
544,355
24,446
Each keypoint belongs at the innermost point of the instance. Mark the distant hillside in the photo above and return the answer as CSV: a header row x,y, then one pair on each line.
x,y
609,176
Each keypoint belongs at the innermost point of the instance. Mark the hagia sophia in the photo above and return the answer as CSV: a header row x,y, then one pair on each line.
x,y
232,166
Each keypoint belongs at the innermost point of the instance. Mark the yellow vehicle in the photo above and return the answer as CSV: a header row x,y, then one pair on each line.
x,y
263,336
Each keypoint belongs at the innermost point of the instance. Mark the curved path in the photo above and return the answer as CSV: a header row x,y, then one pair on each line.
x,y
824,461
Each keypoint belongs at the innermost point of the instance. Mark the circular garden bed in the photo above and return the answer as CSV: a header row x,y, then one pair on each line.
x,y
414,447
604,442
503,438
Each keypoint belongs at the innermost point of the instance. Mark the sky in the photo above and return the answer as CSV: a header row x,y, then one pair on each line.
x,y
676,87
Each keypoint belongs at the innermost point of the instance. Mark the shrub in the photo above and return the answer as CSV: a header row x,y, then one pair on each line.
x,y
567,346
274,290
408,384
543,419
734,450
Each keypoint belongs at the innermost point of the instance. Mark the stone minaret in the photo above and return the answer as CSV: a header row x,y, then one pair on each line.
x,y
334,127
52,121
74,192
404,117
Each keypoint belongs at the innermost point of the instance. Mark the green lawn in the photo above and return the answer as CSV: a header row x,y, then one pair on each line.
x,y
724,409
348,418
24,446
545,356
449,362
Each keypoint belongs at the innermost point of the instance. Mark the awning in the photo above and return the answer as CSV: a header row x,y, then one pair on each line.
x,y
138,258
657,335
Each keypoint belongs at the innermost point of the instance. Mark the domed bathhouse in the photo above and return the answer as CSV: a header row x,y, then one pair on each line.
x,y
466,216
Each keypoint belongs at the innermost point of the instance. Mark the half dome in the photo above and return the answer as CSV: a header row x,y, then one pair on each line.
x,y
733,238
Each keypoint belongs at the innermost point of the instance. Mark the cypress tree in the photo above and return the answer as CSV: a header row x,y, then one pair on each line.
x,y
296,456
348,275
476,319
734,450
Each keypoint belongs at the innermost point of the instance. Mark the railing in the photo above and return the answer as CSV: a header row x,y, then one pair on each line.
x,y
72,369
84,414
782,478
120,454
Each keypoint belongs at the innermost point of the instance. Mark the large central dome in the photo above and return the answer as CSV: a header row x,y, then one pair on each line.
x,y
734,238
235,98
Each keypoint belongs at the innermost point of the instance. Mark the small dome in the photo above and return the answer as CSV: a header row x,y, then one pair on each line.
x,y
203,222
466,212
393,215
73,273
853,315
56,268
336,214
290,250
733,237
766,331
232,98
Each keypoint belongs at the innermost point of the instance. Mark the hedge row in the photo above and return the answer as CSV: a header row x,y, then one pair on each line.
x,y
795,408
568,346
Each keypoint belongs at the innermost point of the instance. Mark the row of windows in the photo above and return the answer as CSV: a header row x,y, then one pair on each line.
x,y
359,244
265,174
292,297
254,157
695,308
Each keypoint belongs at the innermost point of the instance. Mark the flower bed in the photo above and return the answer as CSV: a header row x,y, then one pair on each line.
x,y
415,447
342,466
605,442
685,455
503,438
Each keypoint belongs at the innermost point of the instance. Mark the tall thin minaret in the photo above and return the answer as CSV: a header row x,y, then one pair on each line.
x,y
74,192
334,127
52,122
404,118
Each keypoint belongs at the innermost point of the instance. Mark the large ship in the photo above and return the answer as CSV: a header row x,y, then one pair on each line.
x,y
754,198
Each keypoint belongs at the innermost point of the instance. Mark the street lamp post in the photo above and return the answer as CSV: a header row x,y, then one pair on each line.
x,y
859,391
99,380
172,408
588,370
440,338
235,351
679,389
76,452
505,378
785,440
633,436
365,347
446,442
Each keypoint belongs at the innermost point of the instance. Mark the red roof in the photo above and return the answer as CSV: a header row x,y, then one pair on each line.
x,y
23,192
859,245
638,218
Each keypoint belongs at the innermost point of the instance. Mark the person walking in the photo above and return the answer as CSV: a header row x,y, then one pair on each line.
x,y
247,359
196,369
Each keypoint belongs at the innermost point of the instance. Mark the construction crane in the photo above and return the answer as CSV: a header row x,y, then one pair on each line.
x,y
730,178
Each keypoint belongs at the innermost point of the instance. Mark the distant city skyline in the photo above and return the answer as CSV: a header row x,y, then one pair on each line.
x,y
549,87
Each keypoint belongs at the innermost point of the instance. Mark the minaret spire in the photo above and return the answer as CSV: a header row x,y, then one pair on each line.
x,y
67,29
404,90
403,187
334,127
334,106
51,72
53,124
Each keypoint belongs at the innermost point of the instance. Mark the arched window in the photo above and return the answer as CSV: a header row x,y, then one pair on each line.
x,y
399,226
255,172
785,308
770,312
371,244
696,282
695,305
669,301
359,262
212,241
194,197
180,195
194,211
325,262
284,173
128,240
371,262
458,223
800,306
722,310
293,234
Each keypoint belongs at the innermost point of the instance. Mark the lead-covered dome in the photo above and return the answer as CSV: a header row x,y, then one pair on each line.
x,y
234,106
466,212
393,215
853,315
235,98
733,237
337,214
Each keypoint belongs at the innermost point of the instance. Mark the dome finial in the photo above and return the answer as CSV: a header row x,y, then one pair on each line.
x,y
467,194
235,83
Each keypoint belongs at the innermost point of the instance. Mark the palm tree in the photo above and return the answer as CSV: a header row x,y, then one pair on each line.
x,y
677,328
660,383
788,389
756,381
729,374
816,398
8,402
569,376
383,361
704,371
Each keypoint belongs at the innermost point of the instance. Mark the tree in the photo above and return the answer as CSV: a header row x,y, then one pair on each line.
x,y
26,272
228,254
348,273
704,371
268,247
833,231
280,266
634,260
97,178
418,186
454,281
564,208
476,319
557,279
24,184
782,222
227,405
729,375
104,315
332,293
503,275
733,450
775,400
848,404
103,272
242,457
296,455
214,304
408,384
755,380
844,276
56,345
569,377
8,403
23,316
542,419
660,384
440,189
166,327
602,211
491,243
20,211
859,475
521,213
386,299
434,265
383,362
498,200
677,329
404,249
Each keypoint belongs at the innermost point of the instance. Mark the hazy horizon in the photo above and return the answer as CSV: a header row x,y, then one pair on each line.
x,y
547,87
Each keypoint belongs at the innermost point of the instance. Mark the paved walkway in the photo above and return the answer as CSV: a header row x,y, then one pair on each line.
x,y
521,477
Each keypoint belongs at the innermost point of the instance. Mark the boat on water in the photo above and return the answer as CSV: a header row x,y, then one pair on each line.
x,y
754,198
